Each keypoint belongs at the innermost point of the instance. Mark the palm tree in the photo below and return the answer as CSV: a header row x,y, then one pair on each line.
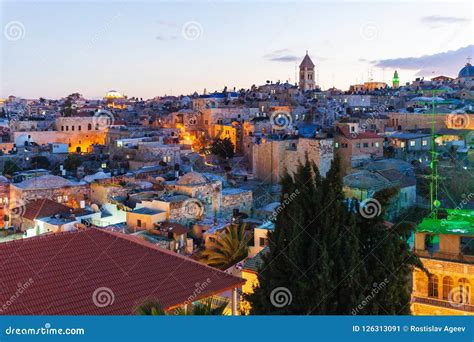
x,y
230,247
211,306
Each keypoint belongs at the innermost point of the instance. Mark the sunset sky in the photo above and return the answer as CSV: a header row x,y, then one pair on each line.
x,y
146,49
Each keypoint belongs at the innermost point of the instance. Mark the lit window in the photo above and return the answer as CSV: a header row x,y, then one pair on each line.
x,y
424,142
366,145
60,199
336,145
412,143
433,286
139,223
402,144
377,144
358,145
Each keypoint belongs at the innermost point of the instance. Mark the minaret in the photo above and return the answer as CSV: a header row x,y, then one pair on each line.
x,y
307,79
395,80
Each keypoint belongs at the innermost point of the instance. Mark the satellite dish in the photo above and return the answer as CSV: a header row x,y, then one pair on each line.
x,y
95,208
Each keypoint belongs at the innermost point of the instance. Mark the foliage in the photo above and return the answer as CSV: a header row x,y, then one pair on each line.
x,y
72,162
210,306
40,162
230,247
10,167
224,148
330,258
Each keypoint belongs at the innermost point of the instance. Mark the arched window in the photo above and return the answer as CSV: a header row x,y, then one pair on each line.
x,y
89,127
464,291
447,287
433,286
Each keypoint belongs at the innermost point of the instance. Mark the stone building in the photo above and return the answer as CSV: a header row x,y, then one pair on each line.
x,y
356,147
273,157
446,249
58,189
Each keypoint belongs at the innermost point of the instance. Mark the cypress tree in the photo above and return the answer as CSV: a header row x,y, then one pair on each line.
x,y
313,251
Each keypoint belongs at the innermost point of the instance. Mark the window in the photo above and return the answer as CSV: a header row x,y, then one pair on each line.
x,y
377,144
79,127
358,145
65,198
262,242
412,143
62,128
89,127
447,287
336,145
60,199
366,145
72,128
433,286
139,223
424,143
67,128
402,144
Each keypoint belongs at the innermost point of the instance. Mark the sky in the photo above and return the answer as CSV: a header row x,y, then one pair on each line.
x,y
155,48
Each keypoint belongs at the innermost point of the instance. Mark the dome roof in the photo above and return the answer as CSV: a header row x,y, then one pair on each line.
x,y
113,94
467,71
192,178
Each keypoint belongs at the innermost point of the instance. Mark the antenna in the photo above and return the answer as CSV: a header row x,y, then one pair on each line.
x,y
434,205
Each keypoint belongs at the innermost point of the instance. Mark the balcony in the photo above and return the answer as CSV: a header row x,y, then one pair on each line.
x,y
443,304
463,258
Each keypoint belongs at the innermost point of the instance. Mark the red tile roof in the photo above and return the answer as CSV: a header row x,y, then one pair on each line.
x,y
360,135
59,274
42,208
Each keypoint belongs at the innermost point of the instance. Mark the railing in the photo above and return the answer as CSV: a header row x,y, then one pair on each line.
x,y
443,303
445,256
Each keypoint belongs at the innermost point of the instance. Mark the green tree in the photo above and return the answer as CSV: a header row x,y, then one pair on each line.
x,y
72,162
210,306
327,256
230,247
10,167
40,162
224,148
